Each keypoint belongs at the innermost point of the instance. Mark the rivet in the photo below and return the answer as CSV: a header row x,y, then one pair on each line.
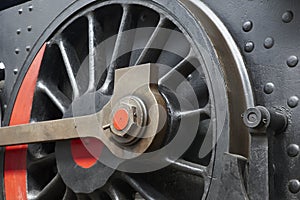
x,y
16,71
292,61
287,16
293,101
19,31
17,51
269,42
247,26
30,8
293,150
20,11
5,106
294,186
249,46
28,48
269,88
29,28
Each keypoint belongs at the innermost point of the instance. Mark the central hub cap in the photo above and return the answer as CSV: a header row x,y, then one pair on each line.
x,y
128,120
120,119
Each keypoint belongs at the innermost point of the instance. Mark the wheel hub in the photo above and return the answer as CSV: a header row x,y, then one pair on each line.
x,y
129,118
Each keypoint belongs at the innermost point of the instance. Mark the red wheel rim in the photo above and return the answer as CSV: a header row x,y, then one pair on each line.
x,y
15,173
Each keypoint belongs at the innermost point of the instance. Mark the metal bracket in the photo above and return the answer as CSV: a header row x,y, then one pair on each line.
x,y
262,124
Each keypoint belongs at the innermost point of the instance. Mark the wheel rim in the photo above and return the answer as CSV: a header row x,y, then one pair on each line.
x,y
60,103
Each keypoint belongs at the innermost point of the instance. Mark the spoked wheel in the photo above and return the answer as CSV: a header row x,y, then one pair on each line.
x,y
201,78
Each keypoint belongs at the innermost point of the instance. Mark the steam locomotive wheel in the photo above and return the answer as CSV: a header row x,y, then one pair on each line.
x,y
201,76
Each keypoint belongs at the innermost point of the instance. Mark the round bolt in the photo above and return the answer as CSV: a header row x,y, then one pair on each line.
x,y
28,48
287,16
17,50
252,117
16,71
19,31
29,28
247,26
294,186
120,119
269,42
249,46
30,8
293,150
293,101
292,61
20,11
269,88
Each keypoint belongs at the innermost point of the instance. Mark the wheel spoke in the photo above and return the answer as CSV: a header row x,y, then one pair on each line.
x,y
179,68
203,113
144,189
157,40
189,167
122,41
176,48
53,190
69,195
116,194
94,30
71,62
55,95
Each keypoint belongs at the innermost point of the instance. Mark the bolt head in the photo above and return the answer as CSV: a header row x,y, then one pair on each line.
x,y
247,26
294,186
293,150
293,101
269,88
128,119
287,16
249,46
252,118
16,71
269,42
292,61
121,119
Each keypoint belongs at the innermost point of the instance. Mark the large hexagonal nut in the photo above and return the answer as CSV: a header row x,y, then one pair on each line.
x,y
128,119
